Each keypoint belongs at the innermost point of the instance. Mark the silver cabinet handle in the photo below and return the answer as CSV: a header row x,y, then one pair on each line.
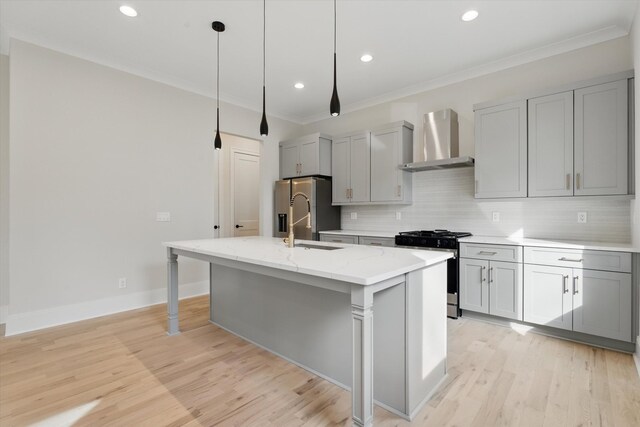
x,y
482,278
575,285
568,181
476,191
487,253
337,241
399,190
578,180
569,259
491,275
375,244
565,289
347,192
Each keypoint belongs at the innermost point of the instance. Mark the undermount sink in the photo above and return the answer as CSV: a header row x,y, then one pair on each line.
x,y
324,248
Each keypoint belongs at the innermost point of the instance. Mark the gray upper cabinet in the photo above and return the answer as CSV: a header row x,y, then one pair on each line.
x,y
366,166
391,147
601,139
501,151
550,129
351,174
305,156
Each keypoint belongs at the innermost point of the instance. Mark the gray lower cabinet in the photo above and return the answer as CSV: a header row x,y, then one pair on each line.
x,y
339,238
589,301
491,287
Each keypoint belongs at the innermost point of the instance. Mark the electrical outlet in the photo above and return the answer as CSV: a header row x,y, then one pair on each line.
x,y
582,217
163,216
122,282
398,216
495,217
354,215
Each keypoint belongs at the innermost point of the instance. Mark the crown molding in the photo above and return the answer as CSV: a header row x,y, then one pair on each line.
x,y
567,45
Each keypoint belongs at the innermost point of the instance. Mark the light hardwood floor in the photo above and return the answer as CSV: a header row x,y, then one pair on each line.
x,y
123,370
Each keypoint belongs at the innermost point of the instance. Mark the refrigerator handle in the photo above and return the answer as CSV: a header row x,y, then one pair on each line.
x,y
282,223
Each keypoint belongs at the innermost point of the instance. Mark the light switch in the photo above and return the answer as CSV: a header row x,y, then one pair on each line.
x,y
163,216
496,217
582,217
354,215
398,216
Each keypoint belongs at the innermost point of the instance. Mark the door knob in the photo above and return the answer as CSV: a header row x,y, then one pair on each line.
x,y
215,227
239,226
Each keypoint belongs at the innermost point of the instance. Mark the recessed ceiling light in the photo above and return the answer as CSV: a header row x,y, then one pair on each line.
x,y
469,15
298,85
128,11
366,58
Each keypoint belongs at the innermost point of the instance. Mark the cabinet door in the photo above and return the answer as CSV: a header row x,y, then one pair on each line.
x,y
474,288
550,129
310,157
602,303
505,289
386,177
547,296
601,144
501,151
340,152
360,176
289,159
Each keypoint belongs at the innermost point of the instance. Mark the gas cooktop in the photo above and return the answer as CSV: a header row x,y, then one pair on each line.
x,y
430,238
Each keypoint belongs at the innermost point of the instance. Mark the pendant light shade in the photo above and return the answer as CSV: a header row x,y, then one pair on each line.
x,y
218,27
334,106
264,126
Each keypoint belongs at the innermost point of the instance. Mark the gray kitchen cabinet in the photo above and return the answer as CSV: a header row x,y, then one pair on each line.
x,y
594,302
601,303
351,174
547,296
501,151
550,131
377,241
305,156
339,238
491,286
391,147
474,289
601,139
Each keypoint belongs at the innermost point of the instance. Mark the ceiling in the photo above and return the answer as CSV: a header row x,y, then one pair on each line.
x,y
416,44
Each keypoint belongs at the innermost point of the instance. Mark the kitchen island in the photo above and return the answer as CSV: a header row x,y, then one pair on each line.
x,y
314,306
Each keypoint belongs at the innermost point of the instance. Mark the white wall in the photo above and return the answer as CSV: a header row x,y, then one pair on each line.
x,y
444,199
95,153
4,187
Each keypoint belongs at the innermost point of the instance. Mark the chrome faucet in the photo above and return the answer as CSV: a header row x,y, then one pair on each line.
x,y
290,240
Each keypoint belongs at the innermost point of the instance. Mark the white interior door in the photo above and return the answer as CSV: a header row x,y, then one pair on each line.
x,y
245,185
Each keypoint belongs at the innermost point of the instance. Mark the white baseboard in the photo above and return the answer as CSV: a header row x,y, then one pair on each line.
x,y
35,320
636,355
4,312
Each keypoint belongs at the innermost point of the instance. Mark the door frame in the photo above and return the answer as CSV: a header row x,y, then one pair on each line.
x,y
222,163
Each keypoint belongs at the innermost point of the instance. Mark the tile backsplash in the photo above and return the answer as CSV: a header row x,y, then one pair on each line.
x,y
444,199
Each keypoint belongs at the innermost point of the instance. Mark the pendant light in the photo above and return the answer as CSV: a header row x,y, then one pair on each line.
x,y
218,27
334,106
264,126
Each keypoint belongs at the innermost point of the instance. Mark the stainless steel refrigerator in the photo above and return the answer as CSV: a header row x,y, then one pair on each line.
x,y
323,215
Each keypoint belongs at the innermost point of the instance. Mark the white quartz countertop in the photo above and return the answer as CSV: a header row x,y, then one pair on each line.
x,y
364,233
363,265
551,243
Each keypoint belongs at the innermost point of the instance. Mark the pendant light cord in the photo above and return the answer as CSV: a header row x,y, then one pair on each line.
x,y
218,73
334,26
264,43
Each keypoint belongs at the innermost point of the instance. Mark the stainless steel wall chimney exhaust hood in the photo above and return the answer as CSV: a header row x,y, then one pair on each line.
x,y
440,144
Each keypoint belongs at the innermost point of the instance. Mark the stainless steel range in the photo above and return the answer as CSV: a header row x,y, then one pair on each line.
x,y
444,240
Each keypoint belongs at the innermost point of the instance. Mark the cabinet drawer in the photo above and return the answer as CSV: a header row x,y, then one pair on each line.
x,y
509,253
578,258
339,238
377,241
